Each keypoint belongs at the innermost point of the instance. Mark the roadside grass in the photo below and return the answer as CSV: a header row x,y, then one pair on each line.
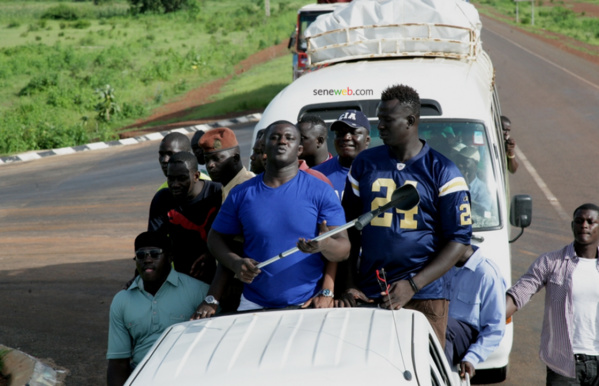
x,y
553,15
251,90
51,70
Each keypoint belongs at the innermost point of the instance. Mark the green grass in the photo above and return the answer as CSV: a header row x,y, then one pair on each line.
x,y
553,15
253,89
50,69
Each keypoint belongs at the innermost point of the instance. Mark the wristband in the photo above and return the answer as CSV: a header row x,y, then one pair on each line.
x,y
414,286
511,156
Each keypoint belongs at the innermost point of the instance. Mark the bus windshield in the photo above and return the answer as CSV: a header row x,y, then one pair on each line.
x,y
466,144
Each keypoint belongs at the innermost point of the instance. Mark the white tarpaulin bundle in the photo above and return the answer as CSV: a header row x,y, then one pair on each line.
x,y
392,28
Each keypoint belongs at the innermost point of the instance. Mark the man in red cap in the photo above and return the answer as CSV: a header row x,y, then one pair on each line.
x,y
222,158
223,161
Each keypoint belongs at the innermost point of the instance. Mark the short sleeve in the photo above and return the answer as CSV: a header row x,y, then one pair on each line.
x,y
454,207
227,220
331,209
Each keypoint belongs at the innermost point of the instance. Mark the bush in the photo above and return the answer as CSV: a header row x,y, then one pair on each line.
x,y
133,110
62,12
38,84
81,24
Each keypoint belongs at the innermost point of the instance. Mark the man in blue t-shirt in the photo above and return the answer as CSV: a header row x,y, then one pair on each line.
x,y
274,212
415,247
352,135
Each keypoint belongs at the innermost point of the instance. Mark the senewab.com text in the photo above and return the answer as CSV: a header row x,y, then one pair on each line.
x,y
342,91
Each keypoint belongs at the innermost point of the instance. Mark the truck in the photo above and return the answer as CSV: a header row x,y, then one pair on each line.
x,y
434,46
297,43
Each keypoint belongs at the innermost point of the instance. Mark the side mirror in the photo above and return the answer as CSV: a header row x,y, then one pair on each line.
x,y
521,213
291,44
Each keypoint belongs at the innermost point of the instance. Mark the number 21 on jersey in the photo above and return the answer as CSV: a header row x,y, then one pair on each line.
x,y
408,221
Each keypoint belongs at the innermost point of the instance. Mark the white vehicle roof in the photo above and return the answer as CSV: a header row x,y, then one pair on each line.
x,y
357,346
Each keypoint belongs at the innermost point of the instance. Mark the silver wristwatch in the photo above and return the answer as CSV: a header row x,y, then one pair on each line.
x,y
327,293
211,300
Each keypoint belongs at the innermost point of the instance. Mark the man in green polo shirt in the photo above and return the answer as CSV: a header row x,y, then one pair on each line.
x,y
158,298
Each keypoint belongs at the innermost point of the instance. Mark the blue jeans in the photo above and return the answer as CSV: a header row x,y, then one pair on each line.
x,y
586,373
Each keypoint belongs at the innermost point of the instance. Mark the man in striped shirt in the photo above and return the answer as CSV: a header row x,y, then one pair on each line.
x,y
570,336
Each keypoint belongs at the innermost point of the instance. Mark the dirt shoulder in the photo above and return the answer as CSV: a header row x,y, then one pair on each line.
x,y
200,96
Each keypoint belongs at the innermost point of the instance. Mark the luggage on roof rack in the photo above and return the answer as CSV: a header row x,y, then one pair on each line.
x,y
395,28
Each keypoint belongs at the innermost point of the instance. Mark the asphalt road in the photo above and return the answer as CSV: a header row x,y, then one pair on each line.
x,y
68,222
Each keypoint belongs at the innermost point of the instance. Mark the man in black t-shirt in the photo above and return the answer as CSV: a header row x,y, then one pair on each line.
x,y
185,212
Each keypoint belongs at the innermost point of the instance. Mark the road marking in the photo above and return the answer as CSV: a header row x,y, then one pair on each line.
x,y
547,60
550,197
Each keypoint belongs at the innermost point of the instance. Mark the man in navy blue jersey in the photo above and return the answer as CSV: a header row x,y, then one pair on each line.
x,y
415,247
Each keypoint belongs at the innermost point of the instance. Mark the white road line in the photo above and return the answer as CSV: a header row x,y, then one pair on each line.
x,y
550,197
547,60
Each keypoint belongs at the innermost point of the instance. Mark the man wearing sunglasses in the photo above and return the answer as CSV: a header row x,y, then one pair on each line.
x,y
158,298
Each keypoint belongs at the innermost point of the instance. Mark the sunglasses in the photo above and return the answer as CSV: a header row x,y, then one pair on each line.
x,y
153,253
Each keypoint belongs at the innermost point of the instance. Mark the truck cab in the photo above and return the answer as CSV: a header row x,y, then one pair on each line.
x,y
297,43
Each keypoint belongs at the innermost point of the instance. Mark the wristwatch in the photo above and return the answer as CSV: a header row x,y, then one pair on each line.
x,y
211,300
327,293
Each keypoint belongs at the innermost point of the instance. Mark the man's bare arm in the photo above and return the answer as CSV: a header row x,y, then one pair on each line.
x,y
401,292
510,306
244,268
335,248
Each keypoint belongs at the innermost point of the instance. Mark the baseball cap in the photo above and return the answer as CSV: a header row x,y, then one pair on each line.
x,y
153,239
352,118
221,138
